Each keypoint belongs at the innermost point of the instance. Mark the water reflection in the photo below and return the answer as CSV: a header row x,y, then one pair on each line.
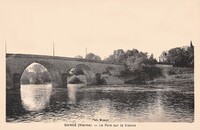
x,y
111,103
71,91
35,97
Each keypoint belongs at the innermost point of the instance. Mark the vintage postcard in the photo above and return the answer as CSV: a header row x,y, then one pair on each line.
x,y
100,64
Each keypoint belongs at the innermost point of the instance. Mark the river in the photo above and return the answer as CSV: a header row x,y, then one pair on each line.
x,y
126,103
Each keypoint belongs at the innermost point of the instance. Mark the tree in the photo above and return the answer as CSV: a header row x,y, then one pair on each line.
x,y
79,57
111,59
137,62
175,57
92,56
118,56
191,57
152,60
181,57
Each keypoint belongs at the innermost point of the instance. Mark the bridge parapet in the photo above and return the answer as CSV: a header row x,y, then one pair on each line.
x,y
58,58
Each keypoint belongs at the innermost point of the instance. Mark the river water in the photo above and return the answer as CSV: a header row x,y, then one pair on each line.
x,y
127,103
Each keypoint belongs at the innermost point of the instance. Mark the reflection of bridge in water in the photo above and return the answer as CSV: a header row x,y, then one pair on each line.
x,y
58,68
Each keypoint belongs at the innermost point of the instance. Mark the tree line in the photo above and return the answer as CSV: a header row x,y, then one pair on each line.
x,y
134,59
137,63
181,57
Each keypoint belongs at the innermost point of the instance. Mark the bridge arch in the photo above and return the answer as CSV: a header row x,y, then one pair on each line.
x,y
88,72
39,75
110,70
55,73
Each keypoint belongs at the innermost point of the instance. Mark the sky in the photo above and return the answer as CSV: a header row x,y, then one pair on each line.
x,y
101,26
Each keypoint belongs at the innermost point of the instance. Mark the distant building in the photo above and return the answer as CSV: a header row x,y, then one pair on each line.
x,y
163,57
187,47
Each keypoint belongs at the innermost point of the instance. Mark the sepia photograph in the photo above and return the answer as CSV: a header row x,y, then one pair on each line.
x,y
100,63
127,86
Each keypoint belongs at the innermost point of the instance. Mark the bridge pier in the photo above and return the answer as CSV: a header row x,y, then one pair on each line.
x,y
64,79
59,81
16,81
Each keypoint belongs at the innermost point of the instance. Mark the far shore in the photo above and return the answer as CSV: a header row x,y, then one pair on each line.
x,y
170,76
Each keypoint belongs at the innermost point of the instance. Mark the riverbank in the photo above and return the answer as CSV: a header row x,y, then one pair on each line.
x,y
175,75
165,75
170,75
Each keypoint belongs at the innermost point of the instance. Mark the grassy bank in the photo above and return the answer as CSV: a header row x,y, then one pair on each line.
x,y
161,75
175,75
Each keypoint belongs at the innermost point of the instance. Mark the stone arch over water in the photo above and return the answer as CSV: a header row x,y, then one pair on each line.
x,y
15,78
88,72
35,73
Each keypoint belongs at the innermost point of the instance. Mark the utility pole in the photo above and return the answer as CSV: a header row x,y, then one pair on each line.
x,y
53,50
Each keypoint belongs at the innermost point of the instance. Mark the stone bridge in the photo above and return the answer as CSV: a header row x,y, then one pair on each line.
x,y
58,68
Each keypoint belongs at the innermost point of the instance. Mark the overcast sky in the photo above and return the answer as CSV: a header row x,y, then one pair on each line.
x,y
31,26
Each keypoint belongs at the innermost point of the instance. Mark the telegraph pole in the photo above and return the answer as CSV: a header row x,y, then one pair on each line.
x,y
53,50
